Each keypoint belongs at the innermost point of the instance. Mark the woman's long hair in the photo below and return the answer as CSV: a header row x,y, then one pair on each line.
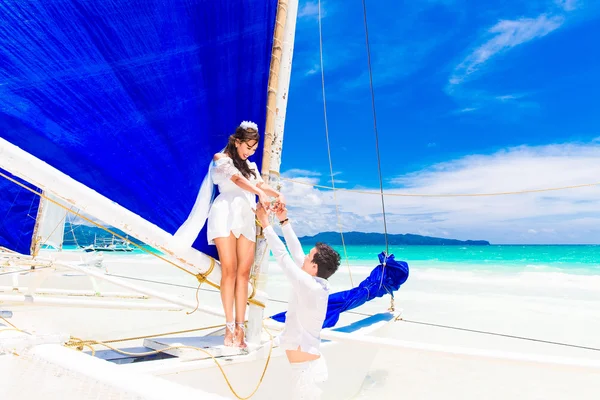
x,y
243,135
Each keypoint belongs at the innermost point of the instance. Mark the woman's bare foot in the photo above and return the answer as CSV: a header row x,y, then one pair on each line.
x,y
240,336
229,334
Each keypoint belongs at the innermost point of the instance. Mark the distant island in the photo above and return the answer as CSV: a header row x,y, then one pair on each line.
x,y
85,235
362,238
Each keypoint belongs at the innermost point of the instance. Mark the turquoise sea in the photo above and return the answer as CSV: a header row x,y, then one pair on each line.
x,y
569,259
580,259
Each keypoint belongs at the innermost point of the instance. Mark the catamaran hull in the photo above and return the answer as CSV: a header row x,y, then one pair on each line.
x,y
348,365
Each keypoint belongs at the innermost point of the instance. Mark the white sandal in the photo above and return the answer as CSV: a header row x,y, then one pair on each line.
x,y
243,343
231,327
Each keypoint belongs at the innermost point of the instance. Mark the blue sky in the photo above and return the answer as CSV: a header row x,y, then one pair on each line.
x,y
471,97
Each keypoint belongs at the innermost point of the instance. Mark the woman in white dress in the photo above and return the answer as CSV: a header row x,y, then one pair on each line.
x,y
231,223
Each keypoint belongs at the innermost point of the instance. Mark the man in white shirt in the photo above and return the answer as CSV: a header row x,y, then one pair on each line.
x,y
301,337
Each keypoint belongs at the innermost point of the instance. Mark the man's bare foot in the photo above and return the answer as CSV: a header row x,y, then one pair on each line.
x,y
240,336
229,334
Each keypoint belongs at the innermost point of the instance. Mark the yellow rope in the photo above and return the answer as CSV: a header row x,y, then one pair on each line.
x,y
36,245
15,328
80,344
443,195
76,341
201,277
96,224
10,329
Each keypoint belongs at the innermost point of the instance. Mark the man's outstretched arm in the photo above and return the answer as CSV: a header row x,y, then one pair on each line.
x,y
298,278
292,242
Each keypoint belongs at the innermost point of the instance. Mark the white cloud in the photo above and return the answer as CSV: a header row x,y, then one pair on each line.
x,y
310,9
567,216
301,172
505,35
313,70
508,97
567,5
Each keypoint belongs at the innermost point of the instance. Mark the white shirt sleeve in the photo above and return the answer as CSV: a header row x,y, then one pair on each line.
x,y
299,279
292,242
223,170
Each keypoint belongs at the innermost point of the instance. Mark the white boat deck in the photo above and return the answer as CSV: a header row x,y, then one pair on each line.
x,y
51,371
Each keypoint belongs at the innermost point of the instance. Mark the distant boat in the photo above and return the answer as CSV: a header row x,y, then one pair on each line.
x,y
107,244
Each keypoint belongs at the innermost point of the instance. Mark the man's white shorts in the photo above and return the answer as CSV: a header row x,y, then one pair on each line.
x,y
305,379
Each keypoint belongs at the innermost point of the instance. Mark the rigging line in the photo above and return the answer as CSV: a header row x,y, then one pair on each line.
x,y
11,207
502,335
526,191
198,276
61,222
337,212
375,124
214,291
400,319
99,225
70,220
387,247
23,271
30,208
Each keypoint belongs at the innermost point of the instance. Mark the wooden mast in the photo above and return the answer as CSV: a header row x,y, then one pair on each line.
x,y
279,80
273,85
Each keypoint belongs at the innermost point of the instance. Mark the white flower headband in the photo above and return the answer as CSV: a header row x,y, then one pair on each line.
x,y
249,124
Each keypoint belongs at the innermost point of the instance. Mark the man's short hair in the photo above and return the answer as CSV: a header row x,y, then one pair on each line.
x,y
327,260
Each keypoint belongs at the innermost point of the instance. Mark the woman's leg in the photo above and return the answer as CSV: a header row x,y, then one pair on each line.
x,y
226,246
245,258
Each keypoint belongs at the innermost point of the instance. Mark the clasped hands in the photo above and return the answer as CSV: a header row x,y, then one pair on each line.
x,y
262,213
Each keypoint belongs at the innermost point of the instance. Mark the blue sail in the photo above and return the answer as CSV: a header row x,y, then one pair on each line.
x,y
382,280
18,212
133,97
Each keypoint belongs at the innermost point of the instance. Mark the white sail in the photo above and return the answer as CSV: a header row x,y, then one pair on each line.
x,y
51,222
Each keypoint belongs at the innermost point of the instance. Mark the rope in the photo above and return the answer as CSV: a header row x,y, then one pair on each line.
x,y
129,339
375,126
201,277
216,291
61,222
14,327
515,192
74,341
500,334
80,344
97,224
337,211
73,230
158,282
23,271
